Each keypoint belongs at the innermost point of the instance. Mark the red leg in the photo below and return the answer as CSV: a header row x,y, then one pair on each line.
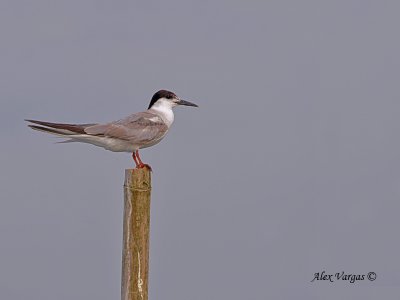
x,y
135,159
141,164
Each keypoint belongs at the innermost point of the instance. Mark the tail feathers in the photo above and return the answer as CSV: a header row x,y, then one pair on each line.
x,y
67,141
55,132
59,128
49,130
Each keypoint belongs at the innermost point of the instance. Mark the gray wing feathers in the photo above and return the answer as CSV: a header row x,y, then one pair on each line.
x,y
139,128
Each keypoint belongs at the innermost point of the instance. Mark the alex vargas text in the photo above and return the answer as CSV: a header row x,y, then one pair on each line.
x,y
352,278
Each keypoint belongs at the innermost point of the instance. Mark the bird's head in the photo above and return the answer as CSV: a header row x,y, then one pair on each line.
x,y
168,99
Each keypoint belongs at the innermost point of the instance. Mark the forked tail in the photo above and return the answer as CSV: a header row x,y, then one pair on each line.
x,y
59,128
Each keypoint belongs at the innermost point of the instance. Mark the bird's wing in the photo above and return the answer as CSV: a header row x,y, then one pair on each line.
x,y
139,128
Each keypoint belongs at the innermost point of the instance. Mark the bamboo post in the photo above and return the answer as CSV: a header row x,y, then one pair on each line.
x,y
136,227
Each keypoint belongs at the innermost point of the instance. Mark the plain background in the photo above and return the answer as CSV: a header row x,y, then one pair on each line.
x,y
290,166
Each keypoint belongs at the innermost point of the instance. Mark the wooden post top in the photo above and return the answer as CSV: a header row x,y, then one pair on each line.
x,y
138,179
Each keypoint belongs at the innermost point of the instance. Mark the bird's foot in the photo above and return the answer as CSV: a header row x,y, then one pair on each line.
x,y
142,165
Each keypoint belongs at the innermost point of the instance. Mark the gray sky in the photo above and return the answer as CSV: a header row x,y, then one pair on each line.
x,y
290,166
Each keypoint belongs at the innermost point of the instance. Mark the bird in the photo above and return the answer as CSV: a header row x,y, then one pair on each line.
x,y
136,131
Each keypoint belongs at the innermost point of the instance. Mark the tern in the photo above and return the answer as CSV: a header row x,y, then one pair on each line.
x,y
137,131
